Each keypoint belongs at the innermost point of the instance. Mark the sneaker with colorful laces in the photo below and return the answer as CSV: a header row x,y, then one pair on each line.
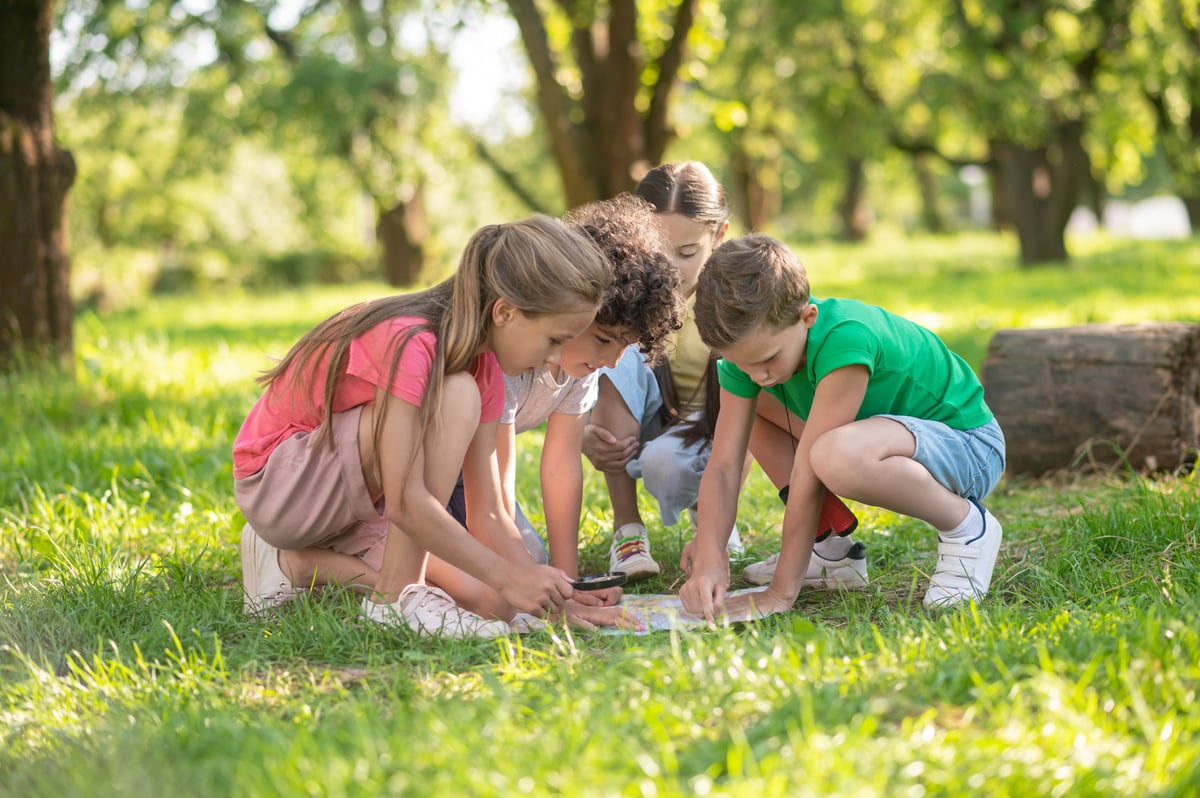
x,y
964,569
429,611
630,552
264,584
836,562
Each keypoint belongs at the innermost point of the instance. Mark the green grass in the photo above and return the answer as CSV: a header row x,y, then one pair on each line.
x,y
127,667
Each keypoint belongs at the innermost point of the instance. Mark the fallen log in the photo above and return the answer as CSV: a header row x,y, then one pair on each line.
x,y
1097,395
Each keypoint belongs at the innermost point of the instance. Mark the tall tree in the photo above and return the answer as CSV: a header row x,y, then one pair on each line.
x,y
1169,59
605,74
365,81
1032,71
35,175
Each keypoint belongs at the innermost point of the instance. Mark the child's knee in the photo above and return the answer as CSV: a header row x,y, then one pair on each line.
x,y
460,397
834,459
611,412
667,470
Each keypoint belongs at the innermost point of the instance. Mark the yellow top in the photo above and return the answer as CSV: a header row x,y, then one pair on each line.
x,y
689,357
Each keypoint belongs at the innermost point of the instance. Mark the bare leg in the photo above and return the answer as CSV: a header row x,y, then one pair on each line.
x,y
443,450
773,441
315,567
612,414
871,461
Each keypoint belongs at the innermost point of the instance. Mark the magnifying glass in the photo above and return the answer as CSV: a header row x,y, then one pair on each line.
x,y
600,581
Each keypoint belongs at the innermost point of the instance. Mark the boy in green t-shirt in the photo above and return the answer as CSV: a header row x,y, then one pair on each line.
x,y
835,394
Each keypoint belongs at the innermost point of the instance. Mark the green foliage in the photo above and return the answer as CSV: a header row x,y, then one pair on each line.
x,y
127,666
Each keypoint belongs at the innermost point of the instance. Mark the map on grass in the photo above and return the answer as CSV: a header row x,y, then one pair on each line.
x,y
662,611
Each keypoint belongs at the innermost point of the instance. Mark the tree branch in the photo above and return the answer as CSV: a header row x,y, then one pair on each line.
x,y
553,101
509,179
669,62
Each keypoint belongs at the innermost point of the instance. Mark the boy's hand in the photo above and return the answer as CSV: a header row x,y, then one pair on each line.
x,y
759,604
704,592
537,589
607,452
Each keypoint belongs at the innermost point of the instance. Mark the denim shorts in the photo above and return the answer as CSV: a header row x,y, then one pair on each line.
x,y
968,462
635,381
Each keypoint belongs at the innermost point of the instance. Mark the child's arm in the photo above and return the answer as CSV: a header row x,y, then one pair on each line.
x,y
506,460
487,516
562,488
704,591
838,397
422,518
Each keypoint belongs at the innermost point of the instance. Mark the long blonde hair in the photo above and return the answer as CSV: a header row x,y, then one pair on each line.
x,y
538,264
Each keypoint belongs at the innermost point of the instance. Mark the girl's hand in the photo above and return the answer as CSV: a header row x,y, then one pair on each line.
x,y
592,617
606,452
607,597
537,589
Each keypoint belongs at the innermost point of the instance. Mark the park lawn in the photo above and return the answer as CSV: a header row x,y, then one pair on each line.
x,y
128,668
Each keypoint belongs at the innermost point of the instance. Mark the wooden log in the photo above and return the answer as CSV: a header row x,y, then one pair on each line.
x,y
1096,395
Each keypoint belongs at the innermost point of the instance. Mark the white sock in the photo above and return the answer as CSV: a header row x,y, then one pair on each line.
x,y
834,547
969,527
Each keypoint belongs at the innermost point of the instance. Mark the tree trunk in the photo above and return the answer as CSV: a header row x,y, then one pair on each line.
x,y
1192,203
402,231
602,142
852,209
757,203
931,215
35,175
1040,187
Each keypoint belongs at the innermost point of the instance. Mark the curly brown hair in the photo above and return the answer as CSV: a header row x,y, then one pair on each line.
x,y
644,295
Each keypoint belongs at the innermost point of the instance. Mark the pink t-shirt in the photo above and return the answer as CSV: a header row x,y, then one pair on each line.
x,y
286,408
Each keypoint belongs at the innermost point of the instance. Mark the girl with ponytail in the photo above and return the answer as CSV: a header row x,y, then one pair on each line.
x,y
344,466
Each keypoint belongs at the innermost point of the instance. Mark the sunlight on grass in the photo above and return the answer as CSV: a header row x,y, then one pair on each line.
x,y
127,666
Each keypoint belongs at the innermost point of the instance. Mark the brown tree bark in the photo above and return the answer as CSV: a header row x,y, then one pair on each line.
x,y
600,140
35,175
1040,186
931,215
402,231
1097,394
852,208
757,203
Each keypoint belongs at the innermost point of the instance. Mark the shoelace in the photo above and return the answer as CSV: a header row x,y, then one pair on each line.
x,y
437,600
630,547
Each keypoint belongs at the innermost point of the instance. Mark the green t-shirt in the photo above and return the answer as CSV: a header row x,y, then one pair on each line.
x,y
912,371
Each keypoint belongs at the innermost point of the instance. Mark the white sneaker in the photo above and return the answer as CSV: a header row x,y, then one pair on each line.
x,y
264,584
837,562
734,546
523,623
630,552
431,612
964,570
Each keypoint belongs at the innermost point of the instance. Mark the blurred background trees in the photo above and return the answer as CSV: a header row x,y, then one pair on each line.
x,y
264,141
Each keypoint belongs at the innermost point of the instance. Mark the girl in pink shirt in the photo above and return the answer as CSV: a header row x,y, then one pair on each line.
x,y
344,466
